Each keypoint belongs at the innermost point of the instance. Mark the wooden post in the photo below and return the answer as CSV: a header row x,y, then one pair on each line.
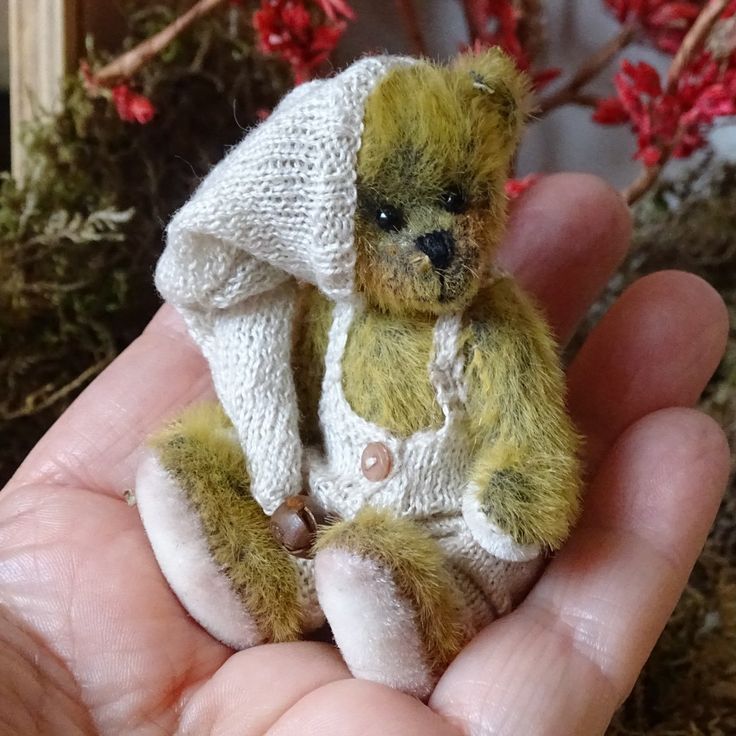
x,y
44,40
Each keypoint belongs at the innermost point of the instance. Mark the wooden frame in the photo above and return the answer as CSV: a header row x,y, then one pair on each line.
x,y
44,39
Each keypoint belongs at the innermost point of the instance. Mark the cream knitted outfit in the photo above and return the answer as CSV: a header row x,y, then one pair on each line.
x,y
429,471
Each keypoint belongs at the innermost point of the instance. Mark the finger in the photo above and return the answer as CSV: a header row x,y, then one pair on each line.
x,y
568,656
360,708
253,689
657,347
97,441
566,237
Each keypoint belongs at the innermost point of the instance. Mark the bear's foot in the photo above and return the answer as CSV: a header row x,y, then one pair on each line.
x,y
212,540
392,605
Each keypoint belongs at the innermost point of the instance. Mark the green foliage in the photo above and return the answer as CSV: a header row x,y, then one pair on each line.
x,y
80,234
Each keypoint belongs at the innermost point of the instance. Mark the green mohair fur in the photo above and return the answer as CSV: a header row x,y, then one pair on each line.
x,y
526,465
385,372
200,452
415,564
385,376
456,124
430,130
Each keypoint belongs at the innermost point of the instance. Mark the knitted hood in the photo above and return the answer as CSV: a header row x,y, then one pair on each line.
x,y
281,204
285,195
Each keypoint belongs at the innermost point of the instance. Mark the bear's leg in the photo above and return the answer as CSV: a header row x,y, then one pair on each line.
x,y
212,540
391,602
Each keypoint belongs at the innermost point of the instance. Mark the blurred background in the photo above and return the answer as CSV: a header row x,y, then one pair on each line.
x,y
111,111
4,88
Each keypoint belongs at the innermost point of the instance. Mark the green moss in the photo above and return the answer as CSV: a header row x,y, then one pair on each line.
x,y
79,236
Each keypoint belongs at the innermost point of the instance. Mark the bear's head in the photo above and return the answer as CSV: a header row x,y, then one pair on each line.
x,y
435,153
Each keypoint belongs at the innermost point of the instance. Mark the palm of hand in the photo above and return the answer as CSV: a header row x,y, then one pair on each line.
x,y
95,639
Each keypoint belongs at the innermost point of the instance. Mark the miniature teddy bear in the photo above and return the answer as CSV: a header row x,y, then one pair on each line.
x,y
337,271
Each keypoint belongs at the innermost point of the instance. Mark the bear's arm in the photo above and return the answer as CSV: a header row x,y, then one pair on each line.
x,y
524,487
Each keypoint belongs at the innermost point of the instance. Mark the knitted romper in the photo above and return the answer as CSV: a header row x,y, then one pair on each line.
x,y
425,476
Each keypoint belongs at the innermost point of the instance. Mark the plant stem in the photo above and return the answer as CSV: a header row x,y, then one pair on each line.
x,y
644,182
474,22
124,66
583,99
589,70
694,39
34,404
692,42
411,21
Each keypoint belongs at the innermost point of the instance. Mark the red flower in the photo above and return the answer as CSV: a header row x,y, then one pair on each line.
x,y
132,107
664,21
610,111
676,119
333,9
516,187
288,29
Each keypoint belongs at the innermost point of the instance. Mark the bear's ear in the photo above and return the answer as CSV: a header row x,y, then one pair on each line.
x,y
493,78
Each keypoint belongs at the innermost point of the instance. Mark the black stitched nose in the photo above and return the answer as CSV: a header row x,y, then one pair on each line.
x,y
439,246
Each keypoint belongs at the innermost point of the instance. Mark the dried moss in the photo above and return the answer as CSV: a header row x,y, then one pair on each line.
x,y
79,236
688,687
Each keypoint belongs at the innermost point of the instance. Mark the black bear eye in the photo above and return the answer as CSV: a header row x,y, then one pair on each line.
x,y
454,200
389,218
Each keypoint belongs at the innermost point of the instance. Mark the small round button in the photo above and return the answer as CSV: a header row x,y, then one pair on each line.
x,y
294,524
376,461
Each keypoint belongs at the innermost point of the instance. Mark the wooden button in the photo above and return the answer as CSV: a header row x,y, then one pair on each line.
x,y
294,524
376,461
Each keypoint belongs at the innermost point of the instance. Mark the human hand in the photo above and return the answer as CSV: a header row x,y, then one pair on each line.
x,y
92,639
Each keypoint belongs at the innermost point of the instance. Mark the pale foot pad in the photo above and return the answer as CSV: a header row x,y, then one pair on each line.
x,y
181,549
372,625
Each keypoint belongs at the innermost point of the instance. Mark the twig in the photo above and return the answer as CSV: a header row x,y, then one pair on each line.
x,y
474,22
124,66
694,39
692,42
531,27
590,69
34,405
644,181
411,21
585,100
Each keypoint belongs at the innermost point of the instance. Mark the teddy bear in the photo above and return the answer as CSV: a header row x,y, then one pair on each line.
x,y
337,270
